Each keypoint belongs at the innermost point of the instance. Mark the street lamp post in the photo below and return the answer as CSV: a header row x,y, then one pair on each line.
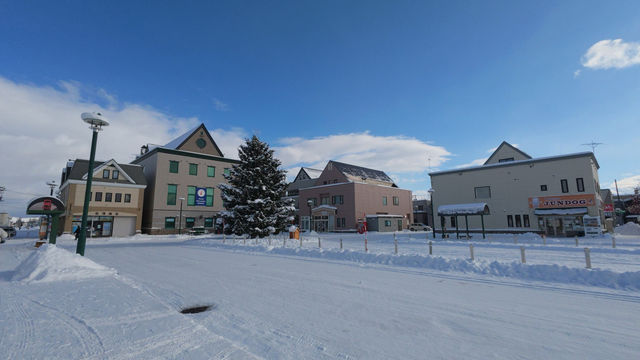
x,y
97,121
433,216
310,203
180,219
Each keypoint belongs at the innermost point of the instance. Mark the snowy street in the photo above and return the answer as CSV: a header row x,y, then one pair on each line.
x,y
296,305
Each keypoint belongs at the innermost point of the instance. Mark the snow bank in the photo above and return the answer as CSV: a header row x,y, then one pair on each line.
x,y
629,228
550,273
50,263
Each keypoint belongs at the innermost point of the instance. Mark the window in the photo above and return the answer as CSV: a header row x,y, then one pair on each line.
x,y
173,166
543,187
98,196
564,185
324,200
115,174
384,200
227,172
483,192
189,222
525,219
211,171
169,223
193,169
118,197
209,197
505,160
580,184
127,198
337,199
191,195
387,223
108,197
518,221
340,222
453,221
208,222
420,207
171,194
509,221
396,200
105,174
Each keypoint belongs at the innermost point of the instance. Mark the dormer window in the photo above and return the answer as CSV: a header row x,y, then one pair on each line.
x,y
506,160
105,174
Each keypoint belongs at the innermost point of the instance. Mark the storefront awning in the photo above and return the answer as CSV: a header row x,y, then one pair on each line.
x,y
568,211
464,209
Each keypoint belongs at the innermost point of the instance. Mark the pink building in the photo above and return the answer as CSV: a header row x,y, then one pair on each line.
x,y
344,195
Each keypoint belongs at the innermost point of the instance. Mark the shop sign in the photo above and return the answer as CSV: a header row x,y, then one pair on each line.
x,y
566,201
592,226
608,208
201,197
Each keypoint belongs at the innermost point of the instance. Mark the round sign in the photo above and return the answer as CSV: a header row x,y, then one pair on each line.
x,y
201,192
201,143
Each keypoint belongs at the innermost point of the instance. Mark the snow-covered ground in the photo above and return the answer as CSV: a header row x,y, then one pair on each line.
x,y
282,301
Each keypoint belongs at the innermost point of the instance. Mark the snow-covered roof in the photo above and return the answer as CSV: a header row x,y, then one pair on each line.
x,y
464,209
324,207
569,211
384,216
173,144
519,162
362,174
313,173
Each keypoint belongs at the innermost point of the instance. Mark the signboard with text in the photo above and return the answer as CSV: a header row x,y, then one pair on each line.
x,y
565,201
201,197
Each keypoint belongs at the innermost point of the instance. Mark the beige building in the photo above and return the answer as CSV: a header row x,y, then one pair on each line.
x,y
344,195
117,195
183,174
547,195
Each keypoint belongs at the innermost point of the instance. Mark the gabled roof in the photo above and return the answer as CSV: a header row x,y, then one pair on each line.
x,y
112,162
362,174
81,167
311,173
176,143
499,149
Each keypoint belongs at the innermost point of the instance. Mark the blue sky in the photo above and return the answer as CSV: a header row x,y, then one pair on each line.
x,y
386,84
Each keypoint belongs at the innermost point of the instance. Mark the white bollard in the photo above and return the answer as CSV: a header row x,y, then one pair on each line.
x,y
284,241
522,258
587,257
395,243
224,238
576,241
430,248
544,240
300,240
515,238
366,248
244,241
340,243
613,242
269,240
471,251
319,244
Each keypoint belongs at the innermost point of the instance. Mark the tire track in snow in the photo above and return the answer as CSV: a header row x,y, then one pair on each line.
x,y
25,327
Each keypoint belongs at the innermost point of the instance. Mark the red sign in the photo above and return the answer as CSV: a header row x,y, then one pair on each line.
x,y
608,207
566,201
46,205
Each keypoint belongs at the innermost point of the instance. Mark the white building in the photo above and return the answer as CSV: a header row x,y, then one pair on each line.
x,y
524,194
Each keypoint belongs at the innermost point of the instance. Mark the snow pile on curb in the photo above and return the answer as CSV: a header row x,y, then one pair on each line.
x,y
50,263
629,228
550,273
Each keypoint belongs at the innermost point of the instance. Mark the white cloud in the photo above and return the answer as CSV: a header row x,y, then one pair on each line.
x,y
626,185
41,128
392,154
476,162
576,73
229,140
219,105
606,54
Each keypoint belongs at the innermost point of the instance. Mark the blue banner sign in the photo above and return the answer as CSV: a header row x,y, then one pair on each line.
x,y
201,197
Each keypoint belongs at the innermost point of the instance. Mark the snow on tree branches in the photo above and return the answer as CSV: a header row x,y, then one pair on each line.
x,y
254,194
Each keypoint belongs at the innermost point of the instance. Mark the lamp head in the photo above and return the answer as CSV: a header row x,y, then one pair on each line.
x,y
95,119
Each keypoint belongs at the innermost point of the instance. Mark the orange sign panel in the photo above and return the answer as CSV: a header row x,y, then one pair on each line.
x,y
566,201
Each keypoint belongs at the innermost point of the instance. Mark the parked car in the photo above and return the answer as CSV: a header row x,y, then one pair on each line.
x,y
11,231
419,227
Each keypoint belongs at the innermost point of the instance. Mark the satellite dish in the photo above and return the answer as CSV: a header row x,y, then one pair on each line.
x,y
95,119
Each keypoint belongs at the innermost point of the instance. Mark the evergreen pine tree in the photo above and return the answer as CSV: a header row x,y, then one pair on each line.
x,y
254,193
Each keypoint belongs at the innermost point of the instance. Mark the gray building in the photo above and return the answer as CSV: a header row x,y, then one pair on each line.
x,y
184,173
422,212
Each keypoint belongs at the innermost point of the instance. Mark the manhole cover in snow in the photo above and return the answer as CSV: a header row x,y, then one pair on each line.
x,y
196,309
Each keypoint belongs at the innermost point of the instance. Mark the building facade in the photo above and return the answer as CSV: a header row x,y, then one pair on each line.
x,y
183,178
422,212
546,195
344,195
117,197
305,178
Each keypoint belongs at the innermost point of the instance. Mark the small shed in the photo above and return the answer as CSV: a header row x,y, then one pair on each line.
x,y
466,210
384,222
